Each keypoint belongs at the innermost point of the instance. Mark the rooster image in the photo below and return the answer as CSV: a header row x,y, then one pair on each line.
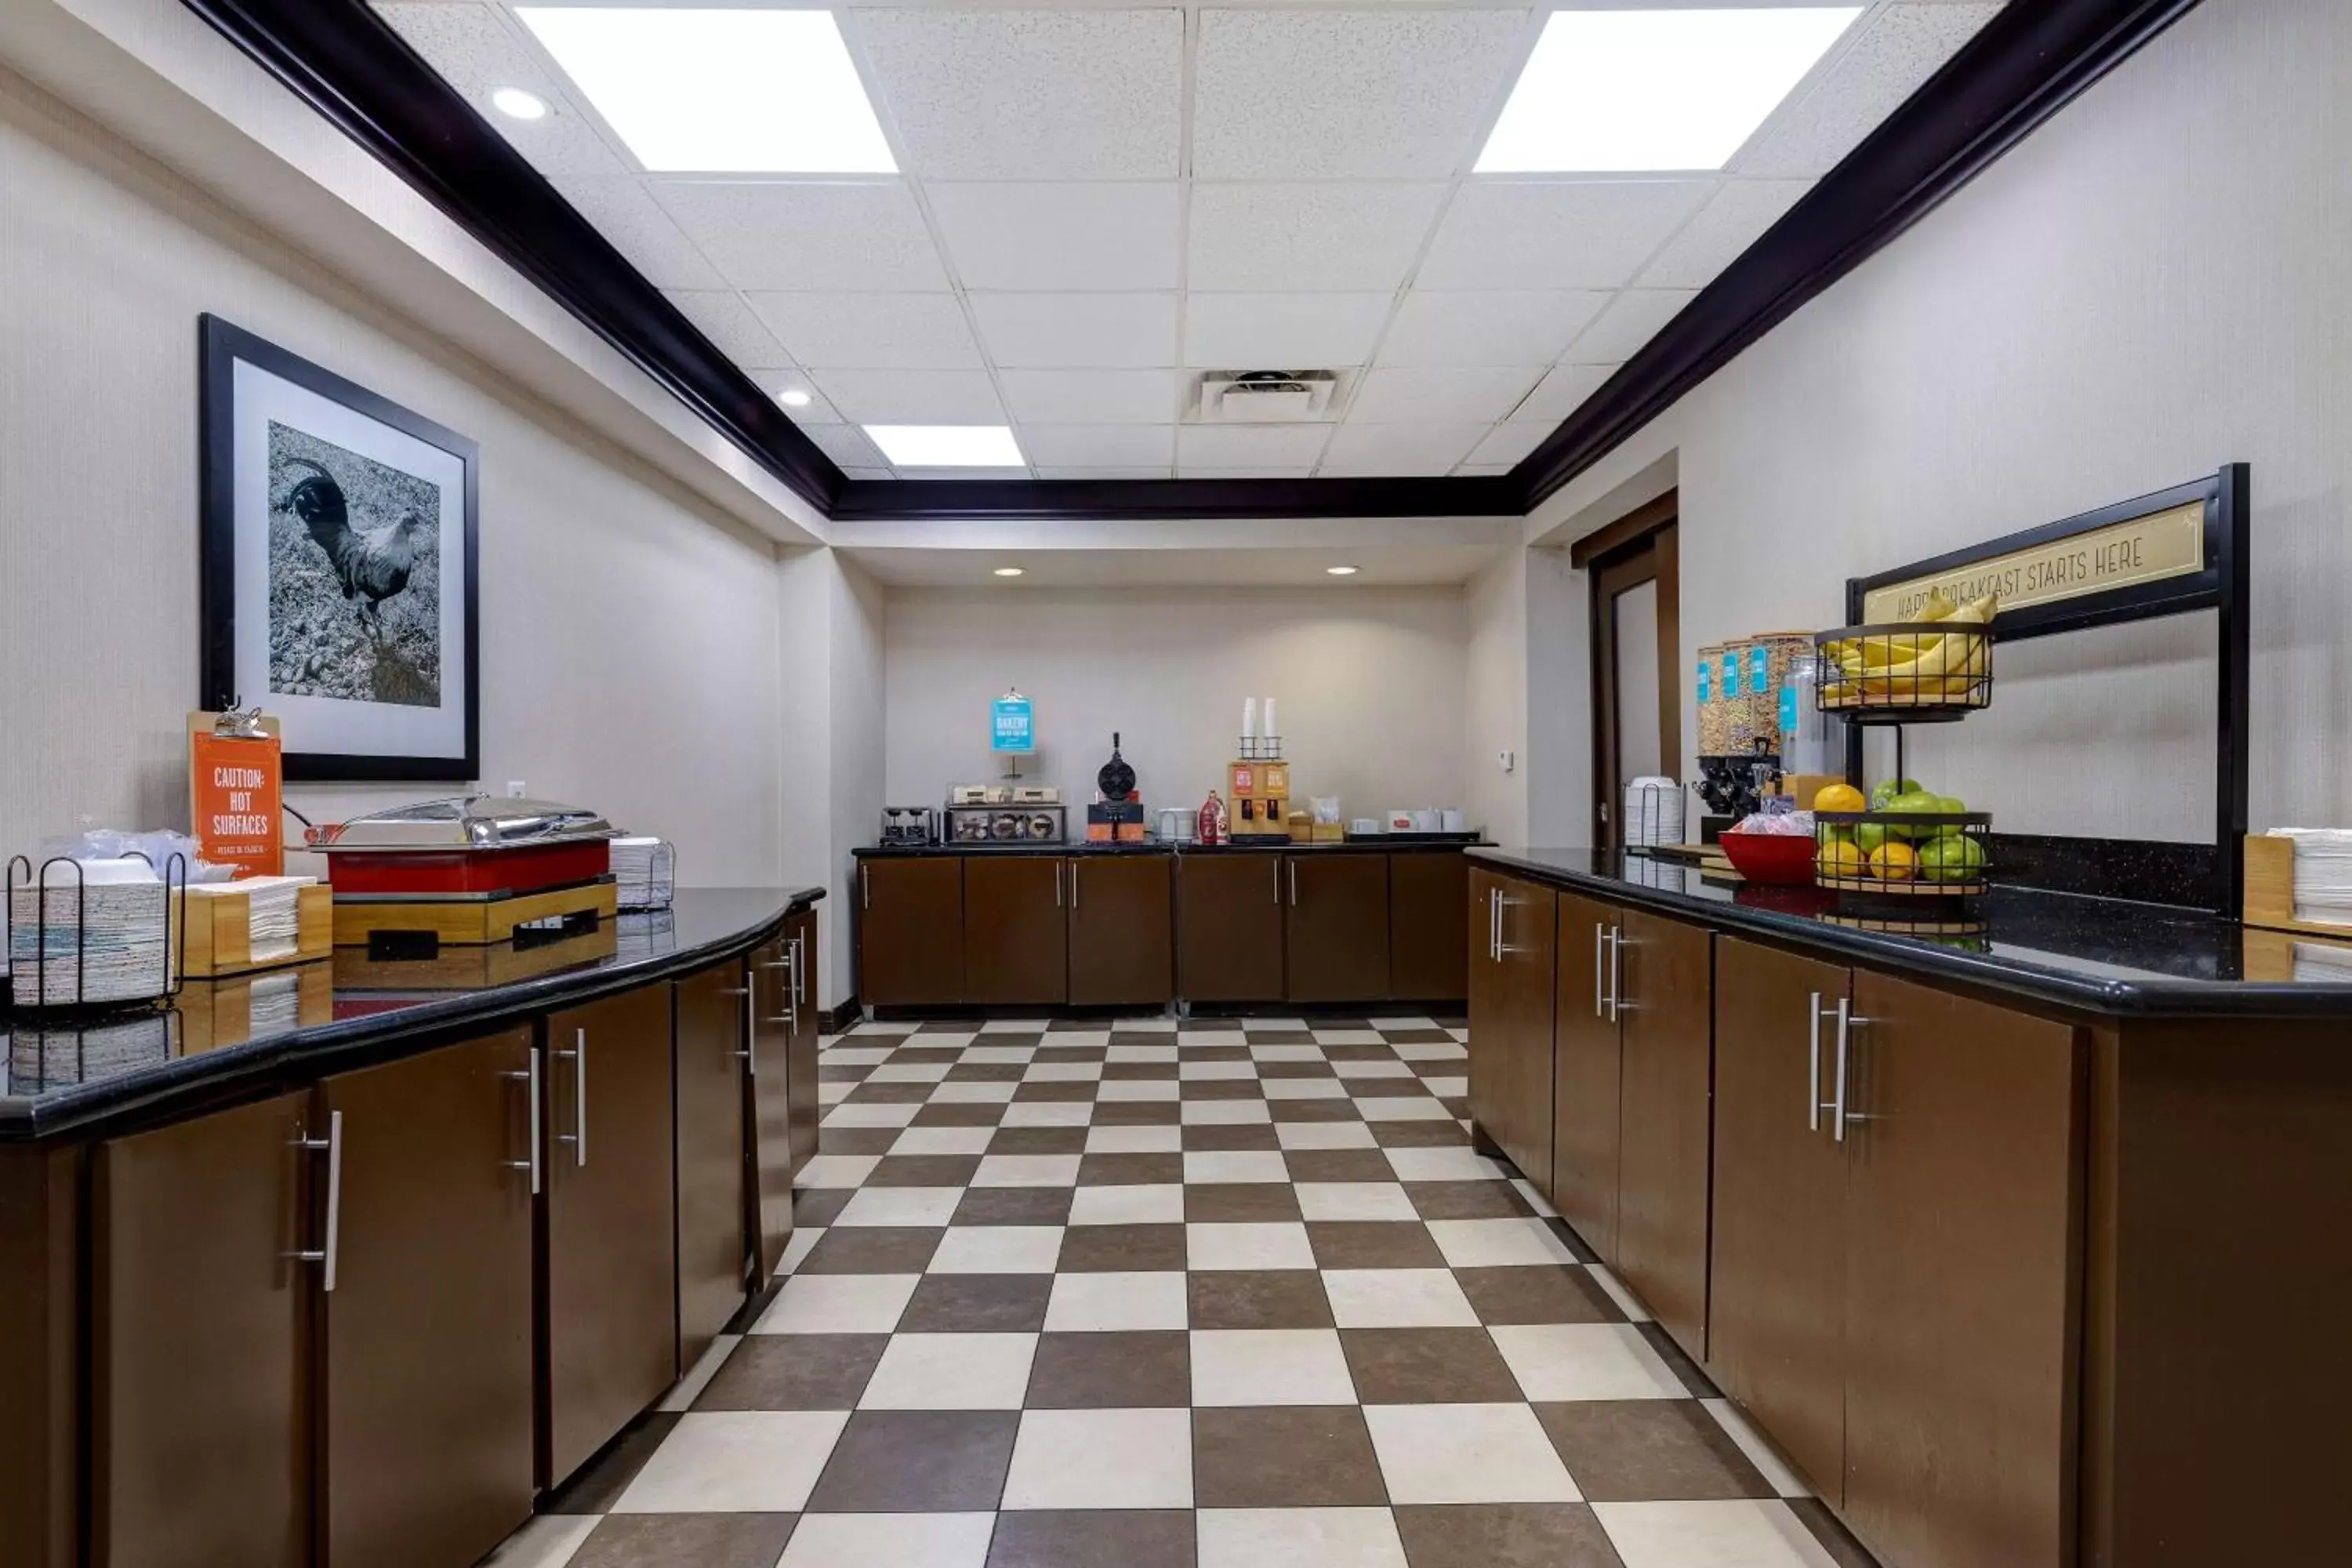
x,y
371,565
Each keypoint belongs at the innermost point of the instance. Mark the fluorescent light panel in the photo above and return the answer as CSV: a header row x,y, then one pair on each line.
x,y
1622,91
720,91
947,446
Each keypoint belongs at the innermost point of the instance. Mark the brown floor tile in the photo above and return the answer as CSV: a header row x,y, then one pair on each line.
x,y
1427,1366
948,1026
988,1072
1420,1134
1062,1091
1122,1249
1467,1200
893,1092
1552,1294
1038,1140
795,1372
1220,1053
1280,1038
1293,1069
1246,1135
1701,1386
1649,1450
872,1249
1240,1202
1284,1457
1220,1088
935,1056
923,1171
918,1461
1340,1110
1373,1244
1142,1037
705,1539
1111,1371
1137,1114
1338,1165
1073,1026
1139,1072
1050,1052
1130,1170
1013,1205
1505,1535
1404,1087
1010,1037
1359,1054
977,1303
820,1205
842,1072
958,1113
1259,1299
1105,1538
596,1485
856,1141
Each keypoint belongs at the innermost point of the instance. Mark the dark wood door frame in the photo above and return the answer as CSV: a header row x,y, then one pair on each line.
x,y
1643,546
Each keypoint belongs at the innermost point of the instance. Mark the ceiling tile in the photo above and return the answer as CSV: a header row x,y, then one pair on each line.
x,y
1512,440
1735,219
1248,446
817,410
1503,326
1400,449
1303,236
1099,445
1090,396
1088,330
1282,332
1340,95
912,396
1294,471
1034,95
1061,236
846,445
1563,391
1003,473
1634,320
878,331
620,210
1481,470
731,326
1885,64
1161,472
863,235
1555,234
1423,396
476,51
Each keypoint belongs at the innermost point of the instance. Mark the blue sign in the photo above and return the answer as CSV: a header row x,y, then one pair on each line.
x,y
1013,725
1705,671
1787,711
1760,670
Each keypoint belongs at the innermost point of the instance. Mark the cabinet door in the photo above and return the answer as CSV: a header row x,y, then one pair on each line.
x,y
1776,1330
201,1390
1666,1080
911,931
1229,916
1016,931
1585,1076
612,1258
1962,1206
803,1111
1121,937
1490,1004
714,1018
1337,927
1429,935
768,1127
1528,926
427,1363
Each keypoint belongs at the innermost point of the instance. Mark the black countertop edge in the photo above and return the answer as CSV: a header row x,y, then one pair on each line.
x,y
174,1087
2089,954
1373,845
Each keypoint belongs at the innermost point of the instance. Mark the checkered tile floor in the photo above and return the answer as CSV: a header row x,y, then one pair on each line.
x,y
1216,1296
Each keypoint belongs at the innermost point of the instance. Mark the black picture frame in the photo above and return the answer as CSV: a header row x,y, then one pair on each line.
x,y
221,347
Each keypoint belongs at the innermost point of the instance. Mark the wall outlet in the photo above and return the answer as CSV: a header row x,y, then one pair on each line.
x,y
1507,760
516,789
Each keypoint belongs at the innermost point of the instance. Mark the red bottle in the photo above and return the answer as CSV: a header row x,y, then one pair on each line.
x,y
1210,827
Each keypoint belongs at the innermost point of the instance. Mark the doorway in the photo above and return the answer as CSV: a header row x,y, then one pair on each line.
x,y
1636,659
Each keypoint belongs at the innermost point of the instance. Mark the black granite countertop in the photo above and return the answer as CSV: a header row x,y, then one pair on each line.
x,y
1156,847
2101,955
285,1027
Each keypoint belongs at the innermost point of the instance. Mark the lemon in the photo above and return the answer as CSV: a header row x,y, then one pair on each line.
x,y
1892,862
1840,797
1838,857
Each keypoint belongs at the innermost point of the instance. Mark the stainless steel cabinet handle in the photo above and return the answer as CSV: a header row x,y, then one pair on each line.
x,y
1617,1003
800,969
1813,1069
792,984
1600,968
751,1051
865,887
1294,881
1057,884
578,1137
1074,884
1494,924
530,1078
1839,1115
327,1255
1273,864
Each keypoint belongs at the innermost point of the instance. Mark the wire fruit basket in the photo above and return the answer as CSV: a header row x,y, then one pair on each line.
x,y
1906,672
1901,855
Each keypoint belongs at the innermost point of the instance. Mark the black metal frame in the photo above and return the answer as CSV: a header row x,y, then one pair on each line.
x,y
221,347
2224,584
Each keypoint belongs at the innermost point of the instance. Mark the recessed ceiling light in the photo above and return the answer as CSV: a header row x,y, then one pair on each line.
x,y
1626,90
720,91
947,446
1341,570
517,104
1008,571
793,397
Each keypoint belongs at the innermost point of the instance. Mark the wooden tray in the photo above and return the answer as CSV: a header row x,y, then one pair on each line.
x,y
219,930
472,967
2270,889
475,922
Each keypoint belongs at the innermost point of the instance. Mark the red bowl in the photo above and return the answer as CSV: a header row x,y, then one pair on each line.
x,y
1774,857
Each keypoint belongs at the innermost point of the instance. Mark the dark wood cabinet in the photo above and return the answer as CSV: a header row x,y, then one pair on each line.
x,y
1229,928
426,1366
1776,1338
713,1014
1121,936
1510,984
610,1300
910,921
1015,930
781,1085
1335,927
1586,1074
802,1107
1666,1059
201,1382
1429,938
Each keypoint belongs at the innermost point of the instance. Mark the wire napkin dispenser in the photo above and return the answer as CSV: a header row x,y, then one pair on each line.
x,y
96,933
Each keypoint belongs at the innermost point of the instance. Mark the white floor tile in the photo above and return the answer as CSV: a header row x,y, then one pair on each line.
x,y
1153,1024
1101,1458
689,1389
837,1170
1467,1453
1462,1035
1217,1070
1135,1139
1448,1088
1617,1290
951,1372
1304,1088
549,1541
1224,1112
943,1141
909,1072
900,1205
1276,1245
1737,1534
1148,1204
1156,1054
884,1114
1414,1108
1402,1023
1269,1366
1349,1037
736,1461
1063,1072
832,1093
1262,1165
837,1304
1076,1039
998,1249
1287,1053
892,1026
965,1091
1047,1113
1370,1069
956,1040
854,1055
998,1055
900,1539
1536,1200
1397,1298
1027,1171
1585,1360
1274,1025
1013,1026
1355,1200
803,1242
1432,1051
1299,1538
1108,1304
1497,1243
1324,1135
1784,1481
1120,1089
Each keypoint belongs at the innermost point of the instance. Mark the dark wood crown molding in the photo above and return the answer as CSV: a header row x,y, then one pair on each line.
x,y
2029,62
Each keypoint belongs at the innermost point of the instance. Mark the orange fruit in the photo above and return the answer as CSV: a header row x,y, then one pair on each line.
x,y
1840,797
1894,861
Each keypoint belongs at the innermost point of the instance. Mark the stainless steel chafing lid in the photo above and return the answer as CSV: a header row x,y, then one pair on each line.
x,y
467,822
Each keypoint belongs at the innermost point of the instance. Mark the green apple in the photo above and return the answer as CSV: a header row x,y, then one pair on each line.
x,y
1950,805
1916,803
1886,790
1954,859
1868,837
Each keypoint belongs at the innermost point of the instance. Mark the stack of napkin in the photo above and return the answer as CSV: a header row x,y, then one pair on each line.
x,y
2323,874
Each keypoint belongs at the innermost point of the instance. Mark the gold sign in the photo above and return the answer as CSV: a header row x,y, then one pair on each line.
x,y
2169,543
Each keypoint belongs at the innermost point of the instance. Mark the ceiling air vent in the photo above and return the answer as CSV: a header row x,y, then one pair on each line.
x,y
1264,397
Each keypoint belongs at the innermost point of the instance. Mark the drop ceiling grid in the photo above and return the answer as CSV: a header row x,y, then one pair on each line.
x,y
1886,52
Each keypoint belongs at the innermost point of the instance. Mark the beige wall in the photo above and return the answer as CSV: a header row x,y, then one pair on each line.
x,y
1369,682
629,637
832,739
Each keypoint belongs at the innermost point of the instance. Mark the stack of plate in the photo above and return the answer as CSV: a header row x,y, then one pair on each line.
x,y
646,869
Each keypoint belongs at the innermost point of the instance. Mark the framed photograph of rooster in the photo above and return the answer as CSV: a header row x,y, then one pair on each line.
x,y
339,546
